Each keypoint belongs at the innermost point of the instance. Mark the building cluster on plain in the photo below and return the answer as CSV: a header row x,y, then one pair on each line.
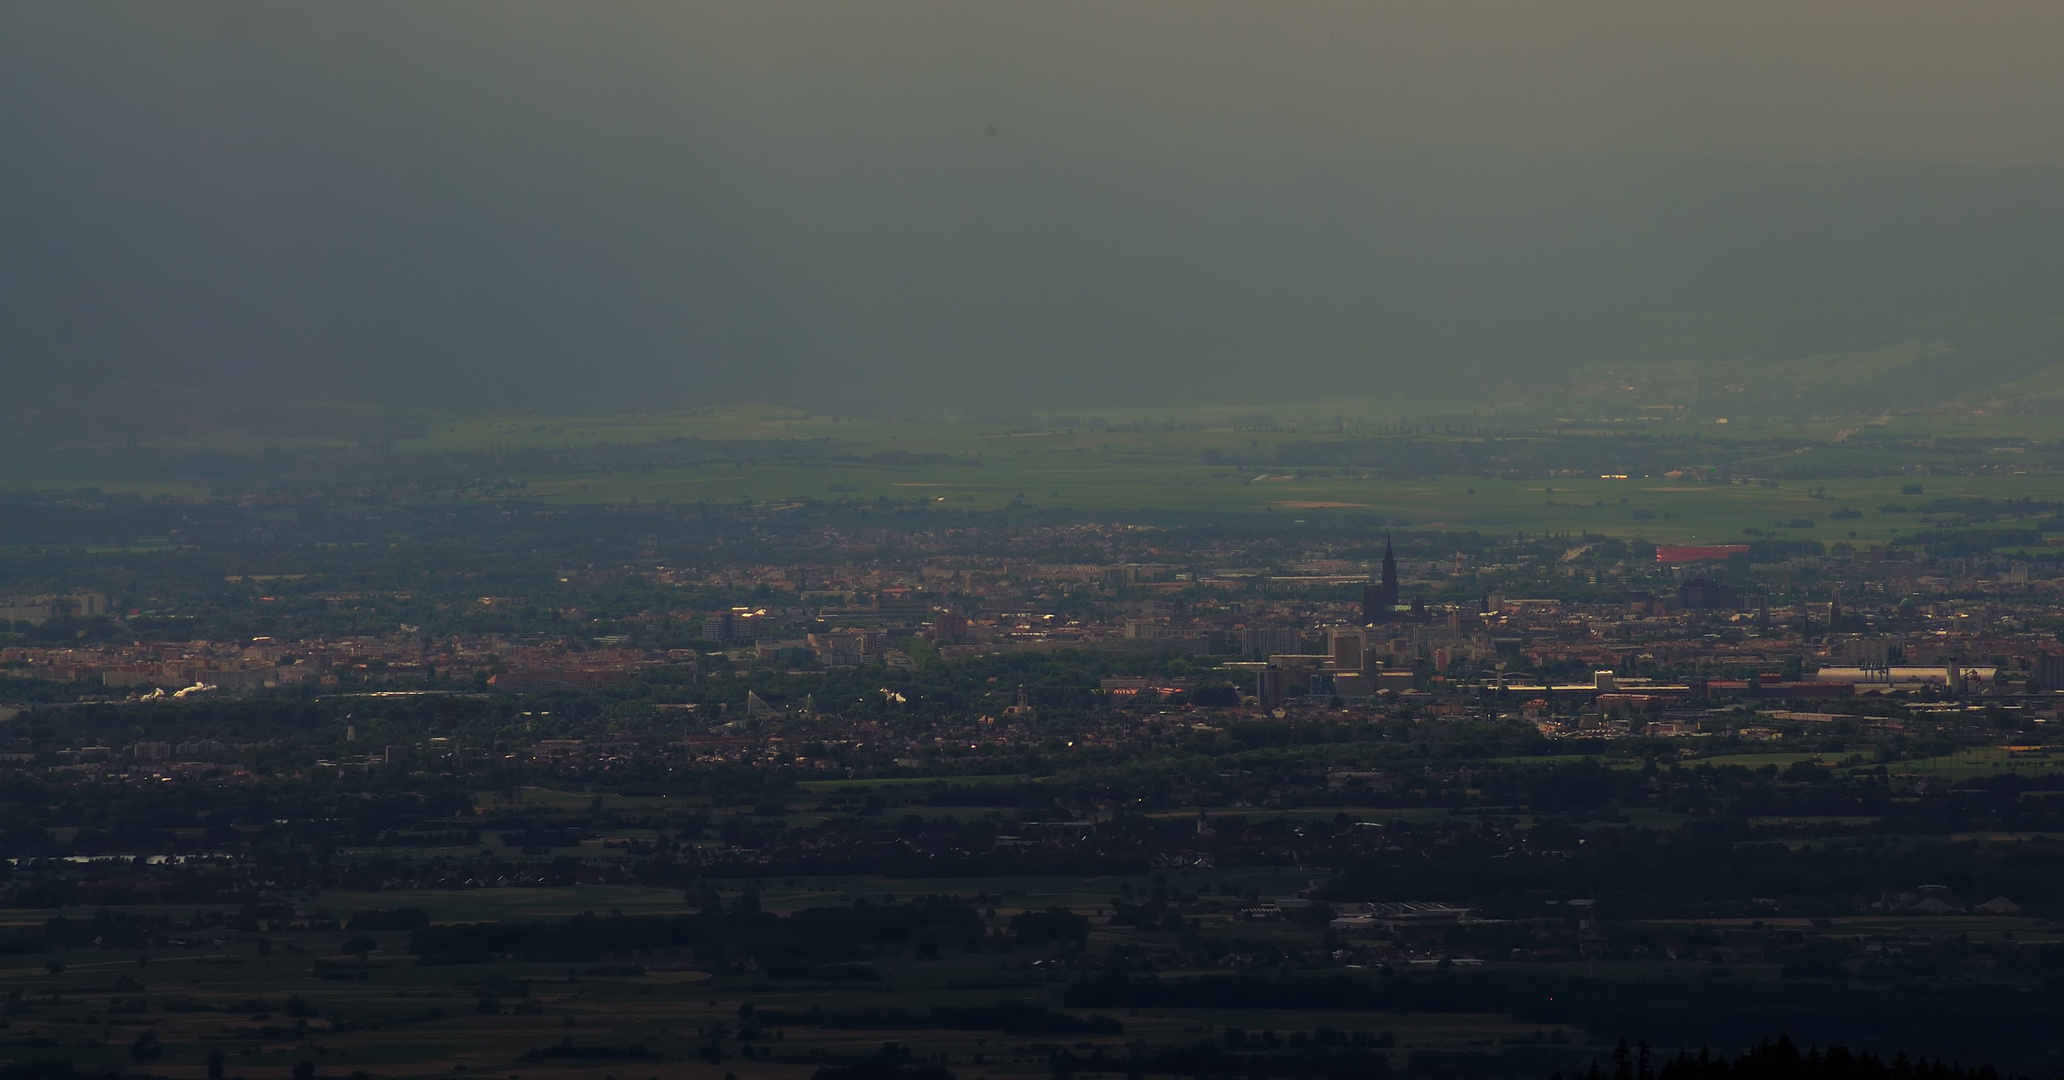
x,y
1576,638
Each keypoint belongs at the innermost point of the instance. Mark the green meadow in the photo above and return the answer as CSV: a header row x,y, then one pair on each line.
x,y
1093,470
1173,463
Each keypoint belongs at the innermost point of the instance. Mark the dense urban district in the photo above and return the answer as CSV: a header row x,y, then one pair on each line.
x,y
320,784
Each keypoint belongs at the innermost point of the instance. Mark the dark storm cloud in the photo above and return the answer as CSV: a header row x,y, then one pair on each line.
x,y
895,205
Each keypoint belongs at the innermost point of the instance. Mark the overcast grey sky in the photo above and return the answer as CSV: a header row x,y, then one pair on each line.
x,y
1240,85
977,205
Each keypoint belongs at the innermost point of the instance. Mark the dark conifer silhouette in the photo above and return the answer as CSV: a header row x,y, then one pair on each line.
x,y
1783,1060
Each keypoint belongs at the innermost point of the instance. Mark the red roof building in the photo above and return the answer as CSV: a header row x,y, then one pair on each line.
x,y
1699,552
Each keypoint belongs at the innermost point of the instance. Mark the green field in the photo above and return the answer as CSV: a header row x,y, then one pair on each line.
x,y
1085,470
974,780
1981,761
405,1021
270,1000
770,457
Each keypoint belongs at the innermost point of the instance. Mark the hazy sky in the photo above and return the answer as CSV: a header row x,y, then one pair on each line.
x,y
985,205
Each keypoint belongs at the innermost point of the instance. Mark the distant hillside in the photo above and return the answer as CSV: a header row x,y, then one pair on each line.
x,y
103,413
1905,376
2041,389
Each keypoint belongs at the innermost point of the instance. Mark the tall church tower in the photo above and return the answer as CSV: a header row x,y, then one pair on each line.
x,y
1378,600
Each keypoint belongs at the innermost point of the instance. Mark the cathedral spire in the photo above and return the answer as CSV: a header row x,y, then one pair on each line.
x,y
1380,599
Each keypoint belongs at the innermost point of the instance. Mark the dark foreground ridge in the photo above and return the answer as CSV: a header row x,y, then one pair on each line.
x,y
1783,1060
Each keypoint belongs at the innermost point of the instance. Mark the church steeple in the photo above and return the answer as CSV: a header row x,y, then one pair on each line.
x,y
1380,599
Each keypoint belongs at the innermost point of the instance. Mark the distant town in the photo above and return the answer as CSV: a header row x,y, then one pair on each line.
x,y
1573,639
1162,773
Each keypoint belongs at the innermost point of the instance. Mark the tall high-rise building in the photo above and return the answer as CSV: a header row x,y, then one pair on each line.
x,y
1379,599
1346,645
1705,594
